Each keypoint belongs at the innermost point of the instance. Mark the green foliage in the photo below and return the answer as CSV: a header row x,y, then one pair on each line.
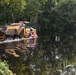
x,y
4,68
10,10
33,9
57,15
17,5
67,9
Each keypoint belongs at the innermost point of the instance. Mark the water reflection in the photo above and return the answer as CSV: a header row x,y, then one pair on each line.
x,y
20,46
41,57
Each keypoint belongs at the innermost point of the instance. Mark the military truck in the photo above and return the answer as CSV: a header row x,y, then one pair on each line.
x,y
19,30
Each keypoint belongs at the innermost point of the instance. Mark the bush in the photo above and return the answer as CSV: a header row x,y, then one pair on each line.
x,y
4,68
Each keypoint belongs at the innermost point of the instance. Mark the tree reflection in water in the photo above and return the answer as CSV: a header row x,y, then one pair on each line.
x,y
45,57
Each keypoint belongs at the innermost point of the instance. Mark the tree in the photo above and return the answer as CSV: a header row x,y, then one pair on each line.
x,y
11,9
47,19
33,9
57,15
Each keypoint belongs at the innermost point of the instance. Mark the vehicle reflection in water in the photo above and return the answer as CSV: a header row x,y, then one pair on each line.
x,y
13,48
31,43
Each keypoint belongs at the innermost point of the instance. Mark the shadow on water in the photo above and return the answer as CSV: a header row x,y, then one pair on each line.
x,y
44,56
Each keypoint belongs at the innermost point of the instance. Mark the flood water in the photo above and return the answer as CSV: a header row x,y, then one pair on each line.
x,y
43,56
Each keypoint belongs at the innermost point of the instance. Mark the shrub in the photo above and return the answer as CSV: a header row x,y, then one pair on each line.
x,y
4,68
